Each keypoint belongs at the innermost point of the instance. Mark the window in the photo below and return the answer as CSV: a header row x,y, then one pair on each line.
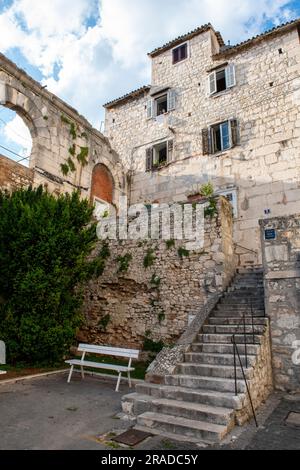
x,y
220,137
222,79
180,53
161,104
159,155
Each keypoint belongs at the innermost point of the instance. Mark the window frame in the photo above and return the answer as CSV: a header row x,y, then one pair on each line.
x,y
212,79
152,164
186,44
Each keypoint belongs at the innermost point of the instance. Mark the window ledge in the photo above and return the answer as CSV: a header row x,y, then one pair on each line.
x,y
221,93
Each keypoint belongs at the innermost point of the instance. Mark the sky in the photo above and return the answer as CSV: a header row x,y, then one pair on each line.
x,y
89,52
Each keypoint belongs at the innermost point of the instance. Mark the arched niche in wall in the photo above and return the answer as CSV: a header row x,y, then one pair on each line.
x,y
102,187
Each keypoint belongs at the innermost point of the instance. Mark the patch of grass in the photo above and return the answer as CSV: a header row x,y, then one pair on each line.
x,y
113,445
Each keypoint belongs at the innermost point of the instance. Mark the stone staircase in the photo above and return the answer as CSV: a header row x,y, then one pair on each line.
x,y
198,402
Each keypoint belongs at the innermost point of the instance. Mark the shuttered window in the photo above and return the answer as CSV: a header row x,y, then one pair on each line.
x,y
159,155
221,79
220,137
161,105
149,159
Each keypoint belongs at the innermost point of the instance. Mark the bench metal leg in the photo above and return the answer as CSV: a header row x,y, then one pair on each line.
x,y
129,380
118,383
70,374
82,372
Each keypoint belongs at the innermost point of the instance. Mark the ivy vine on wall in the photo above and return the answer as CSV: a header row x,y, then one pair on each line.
x,y
76,152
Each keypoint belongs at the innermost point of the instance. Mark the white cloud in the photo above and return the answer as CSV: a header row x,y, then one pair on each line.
x,y
16,131
104,59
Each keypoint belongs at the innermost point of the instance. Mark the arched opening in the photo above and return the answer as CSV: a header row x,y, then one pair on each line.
x,y
102,190
102,187
15,136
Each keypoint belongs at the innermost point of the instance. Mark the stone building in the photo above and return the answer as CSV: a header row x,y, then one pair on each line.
x,y
225,114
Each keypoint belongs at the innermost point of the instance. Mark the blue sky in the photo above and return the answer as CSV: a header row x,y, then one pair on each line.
x,y
91,51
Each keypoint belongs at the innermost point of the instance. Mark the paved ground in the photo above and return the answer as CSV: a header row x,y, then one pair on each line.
x,y
47,413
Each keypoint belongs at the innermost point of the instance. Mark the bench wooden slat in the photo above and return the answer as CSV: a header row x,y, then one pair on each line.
x,y
109,351
99,365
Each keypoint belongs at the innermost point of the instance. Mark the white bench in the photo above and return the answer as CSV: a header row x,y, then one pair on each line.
x,y
107,351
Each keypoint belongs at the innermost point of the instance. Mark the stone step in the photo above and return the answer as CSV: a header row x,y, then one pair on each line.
x,y
212,370
167,435
245,291
209,397
217,359
232,300
250,270
234,329
208,383
223,348
236,320
173,424
226,307
189,410
229,313
226,338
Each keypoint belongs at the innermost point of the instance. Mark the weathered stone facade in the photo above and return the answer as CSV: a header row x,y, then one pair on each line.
x,y
164,297
59,135
282,285
263,168
13,175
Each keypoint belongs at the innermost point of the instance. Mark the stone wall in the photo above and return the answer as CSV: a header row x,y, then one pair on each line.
x,y
132,303
13,175
281,258
264,167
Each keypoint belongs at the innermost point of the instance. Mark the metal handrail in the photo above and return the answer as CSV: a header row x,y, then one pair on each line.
x,y
236,353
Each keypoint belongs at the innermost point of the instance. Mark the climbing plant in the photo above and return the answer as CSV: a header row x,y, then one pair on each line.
x,y
45,243
80,154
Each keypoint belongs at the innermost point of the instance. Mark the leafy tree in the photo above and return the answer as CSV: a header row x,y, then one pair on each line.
x,y
45,242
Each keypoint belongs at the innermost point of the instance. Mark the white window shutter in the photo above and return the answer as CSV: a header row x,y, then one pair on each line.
x,y
212,83
230,76
171,100
170,150
150,109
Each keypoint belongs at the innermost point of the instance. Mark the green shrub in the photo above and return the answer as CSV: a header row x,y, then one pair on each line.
x,y
149,258
155,280
170,244
152,346
103,323
45,242
183,253
124,262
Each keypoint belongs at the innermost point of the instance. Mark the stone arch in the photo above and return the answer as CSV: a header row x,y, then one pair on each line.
x,y
24,106
103,184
